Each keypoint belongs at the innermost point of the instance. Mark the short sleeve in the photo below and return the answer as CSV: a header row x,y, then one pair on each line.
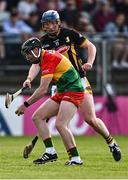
x,y
78,38
50,61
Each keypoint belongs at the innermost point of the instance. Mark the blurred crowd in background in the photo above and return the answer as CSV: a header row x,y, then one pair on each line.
x,y
107,19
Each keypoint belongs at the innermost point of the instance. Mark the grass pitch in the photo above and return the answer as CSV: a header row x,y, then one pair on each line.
x,y
98,161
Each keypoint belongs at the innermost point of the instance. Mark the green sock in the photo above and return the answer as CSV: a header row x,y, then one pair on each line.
x,y
48,142
73,152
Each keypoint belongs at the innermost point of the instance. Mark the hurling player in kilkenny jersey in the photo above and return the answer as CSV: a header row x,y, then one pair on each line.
x,y
70,94
67,42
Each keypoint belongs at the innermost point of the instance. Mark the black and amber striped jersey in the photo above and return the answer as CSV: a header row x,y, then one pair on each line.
x,y
70,40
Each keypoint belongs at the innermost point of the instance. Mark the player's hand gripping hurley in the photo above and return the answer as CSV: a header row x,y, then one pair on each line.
x,y
10,97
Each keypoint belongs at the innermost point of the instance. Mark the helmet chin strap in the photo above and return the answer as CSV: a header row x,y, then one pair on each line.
x,y
36,56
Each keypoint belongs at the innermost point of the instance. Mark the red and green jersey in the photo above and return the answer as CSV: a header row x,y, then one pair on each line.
x,y
55,65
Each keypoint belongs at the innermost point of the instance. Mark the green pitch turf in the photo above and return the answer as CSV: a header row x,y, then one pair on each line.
x,y
98,161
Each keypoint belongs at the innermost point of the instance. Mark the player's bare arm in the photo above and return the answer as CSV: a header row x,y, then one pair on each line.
x,y
40,91
33,71
91,55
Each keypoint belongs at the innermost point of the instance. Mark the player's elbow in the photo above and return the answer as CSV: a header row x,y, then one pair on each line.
x,y
44,90
92,46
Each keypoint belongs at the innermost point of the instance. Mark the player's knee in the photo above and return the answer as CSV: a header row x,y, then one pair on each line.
x,y
36,118
91,120
59,126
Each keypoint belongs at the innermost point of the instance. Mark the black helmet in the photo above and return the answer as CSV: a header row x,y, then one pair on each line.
x,y
29,45
50,15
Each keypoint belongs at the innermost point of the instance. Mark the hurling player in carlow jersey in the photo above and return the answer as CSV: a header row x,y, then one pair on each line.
x,y
69,96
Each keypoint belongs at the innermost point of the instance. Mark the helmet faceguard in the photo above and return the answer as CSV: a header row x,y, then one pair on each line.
x,y
28,47
51,16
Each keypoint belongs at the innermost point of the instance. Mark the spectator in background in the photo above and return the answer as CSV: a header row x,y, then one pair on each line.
x,y
51,4
15,30
118,32
61,5
25,7
90,6
121,6
84,25
12,4
33,22
41,6
4,15
14,27
103,15
70,14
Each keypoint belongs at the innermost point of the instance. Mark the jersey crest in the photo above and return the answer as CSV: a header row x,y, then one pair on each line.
x,y
56,42
67,39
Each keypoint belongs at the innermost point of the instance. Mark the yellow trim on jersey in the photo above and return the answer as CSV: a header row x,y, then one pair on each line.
x,y
87,82
66,55
88,88
85,41
74,55
43,51
47,75
61,68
